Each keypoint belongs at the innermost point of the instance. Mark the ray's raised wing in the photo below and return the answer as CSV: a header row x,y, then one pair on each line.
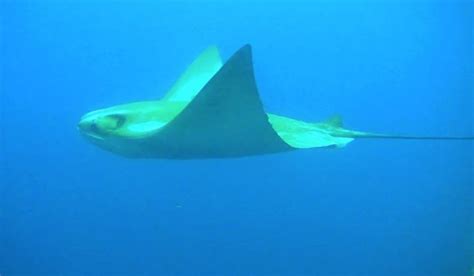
x,y
226,118
204,67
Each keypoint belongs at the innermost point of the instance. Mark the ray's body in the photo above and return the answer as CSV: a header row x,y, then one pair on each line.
x,y
213,111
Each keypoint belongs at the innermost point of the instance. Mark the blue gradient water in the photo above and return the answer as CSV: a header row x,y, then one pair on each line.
x,y
373,208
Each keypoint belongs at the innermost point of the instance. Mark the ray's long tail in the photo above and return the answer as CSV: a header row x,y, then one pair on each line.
x,y
357,134
335,124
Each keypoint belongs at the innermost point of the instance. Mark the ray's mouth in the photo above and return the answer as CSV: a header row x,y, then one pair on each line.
x,y
92,135
89,130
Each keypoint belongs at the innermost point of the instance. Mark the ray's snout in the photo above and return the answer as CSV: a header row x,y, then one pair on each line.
x,y
81,125
84,125
87,125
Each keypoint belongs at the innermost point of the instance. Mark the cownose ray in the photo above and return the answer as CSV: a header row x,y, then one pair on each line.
x,y
212,111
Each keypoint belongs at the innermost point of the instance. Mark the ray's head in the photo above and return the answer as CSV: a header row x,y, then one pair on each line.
x,y
122,128
101,124
134,120
113,129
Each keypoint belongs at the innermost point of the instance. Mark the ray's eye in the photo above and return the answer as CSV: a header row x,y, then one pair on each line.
x,y
118,119
108,123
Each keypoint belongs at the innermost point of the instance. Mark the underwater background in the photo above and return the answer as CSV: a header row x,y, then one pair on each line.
x,y
376,207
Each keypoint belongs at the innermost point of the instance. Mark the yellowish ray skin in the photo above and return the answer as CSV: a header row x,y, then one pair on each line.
x,y
144,119
118,128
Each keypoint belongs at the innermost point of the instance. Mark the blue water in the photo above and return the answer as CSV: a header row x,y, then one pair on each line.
x,y
376,207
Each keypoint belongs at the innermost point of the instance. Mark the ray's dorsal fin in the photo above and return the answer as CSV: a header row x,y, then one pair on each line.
x,y
226,113
196,76
334,121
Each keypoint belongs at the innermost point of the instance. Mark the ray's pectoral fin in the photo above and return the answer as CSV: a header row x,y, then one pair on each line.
x,y
227,114
196,76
